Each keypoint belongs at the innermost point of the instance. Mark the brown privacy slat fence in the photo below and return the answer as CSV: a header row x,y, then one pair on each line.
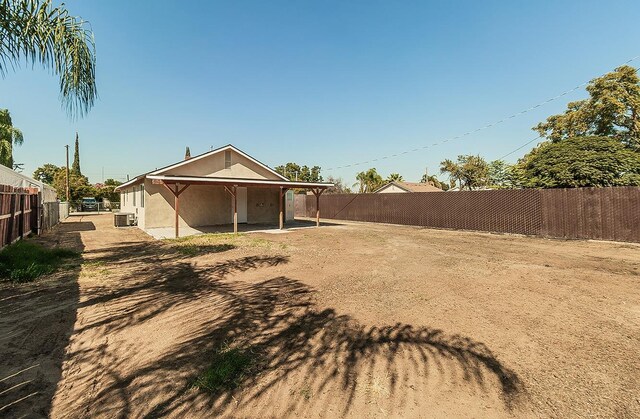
x,y
18,213
581,213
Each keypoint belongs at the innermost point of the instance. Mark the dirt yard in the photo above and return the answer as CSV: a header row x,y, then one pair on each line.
x,y
349,320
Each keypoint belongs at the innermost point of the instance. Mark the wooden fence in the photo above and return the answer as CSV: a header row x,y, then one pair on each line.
x,y
580,213
18,213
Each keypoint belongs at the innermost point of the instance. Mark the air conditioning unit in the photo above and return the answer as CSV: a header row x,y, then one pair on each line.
x,y
124,219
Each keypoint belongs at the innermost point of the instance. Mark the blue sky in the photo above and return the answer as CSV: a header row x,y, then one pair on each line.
x,y
325,83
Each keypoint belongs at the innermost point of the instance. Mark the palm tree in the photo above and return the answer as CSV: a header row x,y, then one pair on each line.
x,y
368,181
469,171
394,177
9,136
37,32
434,181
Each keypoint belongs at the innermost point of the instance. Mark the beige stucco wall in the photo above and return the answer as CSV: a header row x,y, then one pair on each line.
x,y
213,166
199,206
127,203
392,189
206,206
262,205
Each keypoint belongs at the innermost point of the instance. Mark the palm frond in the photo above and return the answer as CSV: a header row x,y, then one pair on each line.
x,y
40,33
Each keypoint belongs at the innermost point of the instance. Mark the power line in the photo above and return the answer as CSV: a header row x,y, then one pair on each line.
x,y
521,147
581,85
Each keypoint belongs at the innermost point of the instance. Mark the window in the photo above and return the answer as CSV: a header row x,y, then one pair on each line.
x,y
134,196
227,159
142,196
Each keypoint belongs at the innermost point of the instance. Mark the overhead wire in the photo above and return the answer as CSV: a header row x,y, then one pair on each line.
x,y
521,147
457,137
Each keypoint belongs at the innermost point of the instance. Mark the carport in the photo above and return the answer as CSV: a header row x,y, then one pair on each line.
x,y
178,184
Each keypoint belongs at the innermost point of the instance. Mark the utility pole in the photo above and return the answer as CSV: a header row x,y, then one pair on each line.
x,y
67,172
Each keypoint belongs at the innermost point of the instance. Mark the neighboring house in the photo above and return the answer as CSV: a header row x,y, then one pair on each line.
x,y
48,205
478,188
18,180
222,186
404,187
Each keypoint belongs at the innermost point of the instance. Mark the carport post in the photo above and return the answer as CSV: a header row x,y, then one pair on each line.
x,y
235,209
176,203
282,192
317,193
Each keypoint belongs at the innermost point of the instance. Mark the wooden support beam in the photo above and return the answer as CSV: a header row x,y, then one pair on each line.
x,y
281,195
235,210
317,192
176,191
176,205
234,202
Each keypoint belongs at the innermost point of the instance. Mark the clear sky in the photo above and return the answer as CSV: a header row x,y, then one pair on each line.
x,y
324,83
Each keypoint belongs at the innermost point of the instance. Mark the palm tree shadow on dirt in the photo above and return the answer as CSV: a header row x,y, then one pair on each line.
x,y
290,336
36,324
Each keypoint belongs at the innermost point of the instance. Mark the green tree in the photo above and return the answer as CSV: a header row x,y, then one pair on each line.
x,y
394,177
315,174
75,167
290,170
612,110
47,173
79,185
36,31
368,181
500,175
108,190
580,161
9,137
293,171
434,181
187,153
468,171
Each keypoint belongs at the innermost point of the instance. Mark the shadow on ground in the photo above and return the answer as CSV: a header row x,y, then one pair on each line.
x,y
202,307
36,323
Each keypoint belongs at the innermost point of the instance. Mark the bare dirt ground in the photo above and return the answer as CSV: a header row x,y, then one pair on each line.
x,y
349,320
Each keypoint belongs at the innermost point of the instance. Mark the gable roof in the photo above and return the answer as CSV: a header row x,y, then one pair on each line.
x,y
211,153
158,172
411,187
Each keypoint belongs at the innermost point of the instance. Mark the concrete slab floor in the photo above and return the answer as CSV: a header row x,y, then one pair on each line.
x,y
169,232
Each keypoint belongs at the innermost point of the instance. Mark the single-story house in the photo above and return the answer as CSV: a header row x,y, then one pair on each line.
x,y
222,186
48,206
404,187
18,180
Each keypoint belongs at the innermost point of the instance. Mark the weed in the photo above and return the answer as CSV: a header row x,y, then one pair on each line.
x,y
95,268
194,249
216,243
228,368
25,261
94,264
306,393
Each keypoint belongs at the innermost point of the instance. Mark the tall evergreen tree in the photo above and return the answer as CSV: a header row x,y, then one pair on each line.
x,y
187,153
75,167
